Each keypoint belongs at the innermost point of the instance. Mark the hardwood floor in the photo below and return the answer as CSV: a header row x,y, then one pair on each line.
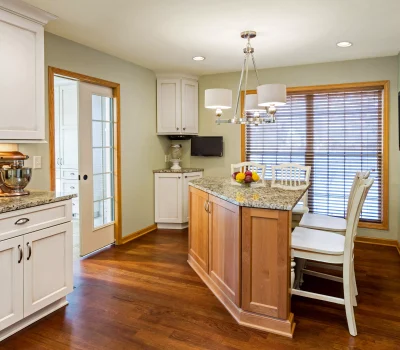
x,y
144,295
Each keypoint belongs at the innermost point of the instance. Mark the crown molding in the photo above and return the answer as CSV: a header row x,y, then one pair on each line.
x,y
29,12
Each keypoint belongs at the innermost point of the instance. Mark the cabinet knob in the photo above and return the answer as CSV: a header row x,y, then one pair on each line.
x,y
72,187
177,128
184,128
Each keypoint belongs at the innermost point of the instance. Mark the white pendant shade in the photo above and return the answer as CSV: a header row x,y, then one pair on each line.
x,y
251,104
271,95
218,98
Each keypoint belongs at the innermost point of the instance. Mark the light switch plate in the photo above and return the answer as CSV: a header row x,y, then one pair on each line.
x,y
37,162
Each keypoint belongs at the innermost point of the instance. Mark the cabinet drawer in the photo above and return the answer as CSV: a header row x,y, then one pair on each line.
x,y
20,222
70,174
70,186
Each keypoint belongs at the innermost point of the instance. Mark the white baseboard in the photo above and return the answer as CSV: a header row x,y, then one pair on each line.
x,y
172,226
5,333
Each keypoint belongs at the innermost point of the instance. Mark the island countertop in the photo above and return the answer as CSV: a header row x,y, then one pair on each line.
x,y
265,197
34,199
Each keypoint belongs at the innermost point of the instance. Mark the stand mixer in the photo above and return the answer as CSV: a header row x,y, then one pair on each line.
x,y
13,176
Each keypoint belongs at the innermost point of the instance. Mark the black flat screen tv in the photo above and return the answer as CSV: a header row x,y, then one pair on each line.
x,y
207,146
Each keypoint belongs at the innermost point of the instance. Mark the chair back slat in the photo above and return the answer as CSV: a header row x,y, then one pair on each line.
x,y
290,176
360,175
360,194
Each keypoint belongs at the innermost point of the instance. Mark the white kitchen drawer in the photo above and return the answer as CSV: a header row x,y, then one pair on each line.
x,y
69,174
20,222
70,186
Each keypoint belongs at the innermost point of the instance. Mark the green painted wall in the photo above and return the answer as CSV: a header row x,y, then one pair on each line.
x,y
141,150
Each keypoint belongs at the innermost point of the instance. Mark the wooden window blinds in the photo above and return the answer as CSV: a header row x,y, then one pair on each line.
x,y
337,132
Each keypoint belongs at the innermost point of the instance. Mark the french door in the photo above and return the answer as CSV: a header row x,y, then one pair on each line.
x,y
96,167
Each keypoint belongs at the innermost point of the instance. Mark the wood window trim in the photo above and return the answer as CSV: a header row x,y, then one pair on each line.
x,y
52,71
385,84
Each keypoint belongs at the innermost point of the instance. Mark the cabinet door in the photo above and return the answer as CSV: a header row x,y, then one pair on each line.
x,y
190,107
11,285
168,197
69,105
198,227
265,261
69,148
21,78
47,266
169,106
225,247
186,178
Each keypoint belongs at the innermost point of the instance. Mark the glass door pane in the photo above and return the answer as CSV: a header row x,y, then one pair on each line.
x,y
103,161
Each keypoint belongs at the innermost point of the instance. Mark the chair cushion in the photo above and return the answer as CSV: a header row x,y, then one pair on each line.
x,y
323,222
317,241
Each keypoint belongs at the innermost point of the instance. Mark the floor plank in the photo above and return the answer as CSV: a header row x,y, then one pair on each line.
x,y
144,295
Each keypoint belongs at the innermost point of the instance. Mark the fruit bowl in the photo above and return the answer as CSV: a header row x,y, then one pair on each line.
x,y
246,179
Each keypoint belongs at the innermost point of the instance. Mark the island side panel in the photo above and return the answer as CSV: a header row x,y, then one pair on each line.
x,y
266,262
225,247
199,227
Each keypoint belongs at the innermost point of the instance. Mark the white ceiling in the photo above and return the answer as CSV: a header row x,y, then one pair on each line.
x,y
164,35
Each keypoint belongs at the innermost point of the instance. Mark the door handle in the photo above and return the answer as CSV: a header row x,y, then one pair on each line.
x,y
208,207
205,206
21,254
85,177
29,251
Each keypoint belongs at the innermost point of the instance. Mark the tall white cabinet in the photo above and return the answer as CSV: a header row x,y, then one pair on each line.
x,y
172,197
66,138
35,264
22,71
177,105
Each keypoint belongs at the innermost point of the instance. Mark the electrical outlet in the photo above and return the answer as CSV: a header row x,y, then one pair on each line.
x,y
37,162
166,158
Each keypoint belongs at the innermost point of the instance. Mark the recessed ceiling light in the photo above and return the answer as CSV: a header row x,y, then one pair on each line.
x,y
344,44
198,58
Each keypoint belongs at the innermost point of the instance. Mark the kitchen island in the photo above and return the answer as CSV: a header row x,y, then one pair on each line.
x,y
239,245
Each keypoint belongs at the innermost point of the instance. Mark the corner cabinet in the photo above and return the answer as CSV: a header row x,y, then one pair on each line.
x,y
172,197
177,106
35,264
22,71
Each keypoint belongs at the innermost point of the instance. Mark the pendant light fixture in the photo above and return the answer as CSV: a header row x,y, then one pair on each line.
x,y
258,108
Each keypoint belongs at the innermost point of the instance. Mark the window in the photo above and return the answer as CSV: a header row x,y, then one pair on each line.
x,y
337,130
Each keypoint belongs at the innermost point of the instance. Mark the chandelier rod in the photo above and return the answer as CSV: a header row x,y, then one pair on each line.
x,y
240,87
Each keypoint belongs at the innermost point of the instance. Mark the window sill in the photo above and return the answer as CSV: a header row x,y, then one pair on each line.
x,y
374,225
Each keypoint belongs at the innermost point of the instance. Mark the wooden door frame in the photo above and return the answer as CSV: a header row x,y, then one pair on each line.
x,y
52,72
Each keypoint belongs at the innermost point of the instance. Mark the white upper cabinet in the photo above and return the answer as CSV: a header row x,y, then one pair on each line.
x,y
22,112
177,105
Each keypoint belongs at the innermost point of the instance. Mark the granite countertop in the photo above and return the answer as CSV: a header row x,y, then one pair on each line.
x,y
260,197
34,199
181,171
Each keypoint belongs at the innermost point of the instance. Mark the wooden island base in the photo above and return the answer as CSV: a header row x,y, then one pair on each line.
x,y
248,319
243,256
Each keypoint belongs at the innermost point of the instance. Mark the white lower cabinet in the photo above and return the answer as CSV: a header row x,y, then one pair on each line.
x,y
12,281
47,267
171,198
35,269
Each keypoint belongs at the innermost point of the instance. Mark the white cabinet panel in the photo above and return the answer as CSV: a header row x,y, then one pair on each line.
x,y
177,106
47,267
21,78
169,106
11,277
168,194
190,107
186,178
